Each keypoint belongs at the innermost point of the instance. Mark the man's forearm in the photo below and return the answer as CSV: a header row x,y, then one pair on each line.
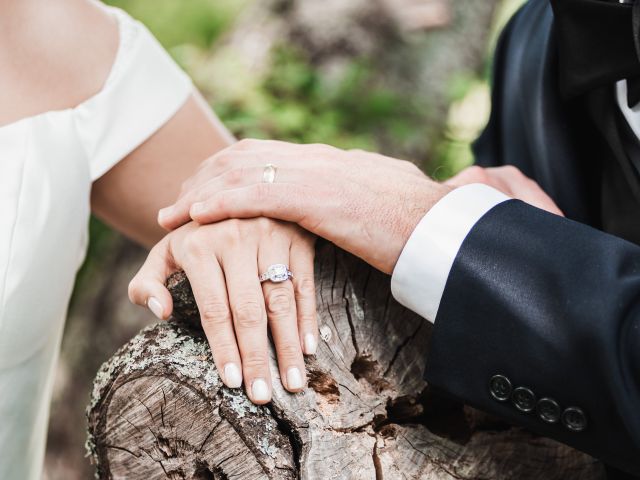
x,y
551,306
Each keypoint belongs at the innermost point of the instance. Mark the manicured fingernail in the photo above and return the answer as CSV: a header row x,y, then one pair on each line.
x,y
260,390
164,213
197,209
310,344
294,379
156,307
232,375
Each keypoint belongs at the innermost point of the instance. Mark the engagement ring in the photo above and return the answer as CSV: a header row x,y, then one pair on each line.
x,y
277,273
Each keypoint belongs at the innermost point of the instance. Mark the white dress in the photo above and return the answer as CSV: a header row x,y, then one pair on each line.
x,y
47,165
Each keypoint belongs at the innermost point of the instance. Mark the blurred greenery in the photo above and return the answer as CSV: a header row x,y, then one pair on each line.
x,y
296,103
198,22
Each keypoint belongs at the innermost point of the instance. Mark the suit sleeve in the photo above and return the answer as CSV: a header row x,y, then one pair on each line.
x,y
539,323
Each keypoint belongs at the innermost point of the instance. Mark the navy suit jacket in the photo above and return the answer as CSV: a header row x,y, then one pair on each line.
x,y
538,306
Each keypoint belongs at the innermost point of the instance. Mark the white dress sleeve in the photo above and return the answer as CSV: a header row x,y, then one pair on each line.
x,y
144,89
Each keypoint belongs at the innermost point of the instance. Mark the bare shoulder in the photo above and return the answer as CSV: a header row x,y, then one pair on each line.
x,y
53,54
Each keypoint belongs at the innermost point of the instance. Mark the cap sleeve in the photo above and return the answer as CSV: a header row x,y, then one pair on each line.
x,y
143,91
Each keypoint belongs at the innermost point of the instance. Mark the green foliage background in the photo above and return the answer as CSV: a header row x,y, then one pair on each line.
x,y
295,102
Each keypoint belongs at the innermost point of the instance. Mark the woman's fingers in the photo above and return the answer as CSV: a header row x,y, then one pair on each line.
x,y
210,292
301,262
280,303
147,288
249,317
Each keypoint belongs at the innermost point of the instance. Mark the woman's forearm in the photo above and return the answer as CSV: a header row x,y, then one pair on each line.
x,y
129,196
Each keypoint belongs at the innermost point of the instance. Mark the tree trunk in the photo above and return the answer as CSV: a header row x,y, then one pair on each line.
x,y
159,410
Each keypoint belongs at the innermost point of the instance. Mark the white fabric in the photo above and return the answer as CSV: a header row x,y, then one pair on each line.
x,y
421,273
632,115
47,165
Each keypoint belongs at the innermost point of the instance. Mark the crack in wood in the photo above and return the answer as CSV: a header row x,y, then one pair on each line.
x,y
400,347
209,435
377,464
123,449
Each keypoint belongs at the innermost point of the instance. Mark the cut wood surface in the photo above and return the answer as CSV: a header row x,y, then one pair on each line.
x,y
159,409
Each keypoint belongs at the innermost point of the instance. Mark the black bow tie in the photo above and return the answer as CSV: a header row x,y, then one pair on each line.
x,y
599,44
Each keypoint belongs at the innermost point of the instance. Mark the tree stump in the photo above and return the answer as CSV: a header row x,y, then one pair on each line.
x,y
159,409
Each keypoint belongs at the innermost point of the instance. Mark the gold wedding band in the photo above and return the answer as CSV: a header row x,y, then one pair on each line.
x,y
269,173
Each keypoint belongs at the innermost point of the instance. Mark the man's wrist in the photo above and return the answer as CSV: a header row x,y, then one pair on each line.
x,y
421,272
414,207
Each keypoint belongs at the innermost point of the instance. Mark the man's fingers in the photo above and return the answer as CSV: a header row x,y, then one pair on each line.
x,y
280,303
147,288
278,201
519,186
251,174
472,174
175,215
249,318
301,260
510,181
210,292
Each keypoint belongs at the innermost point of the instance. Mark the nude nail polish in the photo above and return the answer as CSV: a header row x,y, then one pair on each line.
x,y
232,375
294,379
310,344
164,213
156,307
260,390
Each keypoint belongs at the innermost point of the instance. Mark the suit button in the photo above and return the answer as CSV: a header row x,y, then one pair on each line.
x,y
548,410
574,419
500,388
524,399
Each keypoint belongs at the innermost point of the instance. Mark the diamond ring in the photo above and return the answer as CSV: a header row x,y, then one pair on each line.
x,y
276,273
269,173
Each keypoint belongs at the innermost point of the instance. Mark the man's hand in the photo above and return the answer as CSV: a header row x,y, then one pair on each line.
x,y
510,181
365,203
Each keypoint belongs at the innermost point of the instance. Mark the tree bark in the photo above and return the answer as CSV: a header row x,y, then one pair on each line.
x,y
159,410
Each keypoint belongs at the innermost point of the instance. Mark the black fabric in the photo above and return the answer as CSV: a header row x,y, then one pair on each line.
x,y
620,157
533,127
598,44
552,303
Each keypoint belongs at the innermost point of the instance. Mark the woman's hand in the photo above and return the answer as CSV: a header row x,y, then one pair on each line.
x,y
365,203
223,262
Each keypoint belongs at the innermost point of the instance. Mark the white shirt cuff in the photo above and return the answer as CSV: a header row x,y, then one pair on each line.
x,y
422,270
632,115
